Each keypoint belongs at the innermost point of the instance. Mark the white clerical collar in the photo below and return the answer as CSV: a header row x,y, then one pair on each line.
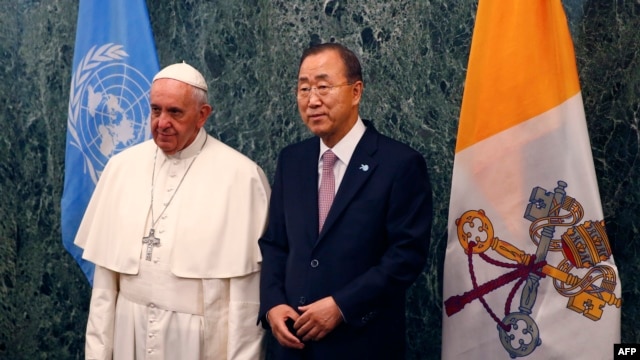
x,y
347,145
192,149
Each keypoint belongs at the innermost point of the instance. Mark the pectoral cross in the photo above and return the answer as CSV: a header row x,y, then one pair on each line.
x,y
151,240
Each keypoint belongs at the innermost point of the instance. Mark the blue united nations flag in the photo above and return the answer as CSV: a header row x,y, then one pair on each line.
x,y
113,65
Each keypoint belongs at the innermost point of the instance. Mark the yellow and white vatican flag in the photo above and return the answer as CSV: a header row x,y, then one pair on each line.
x,y
528,270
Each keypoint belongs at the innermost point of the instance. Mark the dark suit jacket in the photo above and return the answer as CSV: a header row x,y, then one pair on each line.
x,y
372,247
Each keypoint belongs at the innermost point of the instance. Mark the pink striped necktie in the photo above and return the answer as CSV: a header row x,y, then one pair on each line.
x,y
327,187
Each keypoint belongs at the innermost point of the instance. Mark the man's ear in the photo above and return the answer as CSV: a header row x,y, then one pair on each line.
x,y
357,89
205,111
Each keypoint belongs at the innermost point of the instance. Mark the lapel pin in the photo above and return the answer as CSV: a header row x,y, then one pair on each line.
x,y
364,167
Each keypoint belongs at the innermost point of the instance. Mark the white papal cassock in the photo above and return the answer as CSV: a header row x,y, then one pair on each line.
x,y
198,296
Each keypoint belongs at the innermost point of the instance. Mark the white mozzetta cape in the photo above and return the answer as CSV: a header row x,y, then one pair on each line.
x,y
223,204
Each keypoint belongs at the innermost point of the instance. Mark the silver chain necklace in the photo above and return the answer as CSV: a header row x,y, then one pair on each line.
x,y
151,240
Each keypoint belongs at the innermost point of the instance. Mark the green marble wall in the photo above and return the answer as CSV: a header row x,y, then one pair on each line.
x,y
414,55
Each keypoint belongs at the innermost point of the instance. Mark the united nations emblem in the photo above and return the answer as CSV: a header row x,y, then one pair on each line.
x,y
108,107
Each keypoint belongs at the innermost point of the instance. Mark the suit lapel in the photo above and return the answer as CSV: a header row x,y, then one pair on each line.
x,y
361,166
308,196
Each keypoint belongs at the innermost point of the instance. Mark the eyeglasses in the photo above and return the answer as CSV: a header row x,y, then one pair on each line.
x,y
304,91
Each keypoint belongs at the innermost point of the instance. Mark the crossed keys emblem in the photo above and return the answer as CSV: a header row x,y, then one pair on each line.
x,y
583,246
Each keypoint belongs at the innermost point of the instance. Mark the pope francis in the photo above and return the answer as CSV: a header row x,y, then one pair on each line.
x,y
173,229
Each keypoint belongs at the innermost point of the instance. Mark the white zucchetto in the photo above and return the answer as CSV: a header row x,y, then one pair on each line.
x,y
183,72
